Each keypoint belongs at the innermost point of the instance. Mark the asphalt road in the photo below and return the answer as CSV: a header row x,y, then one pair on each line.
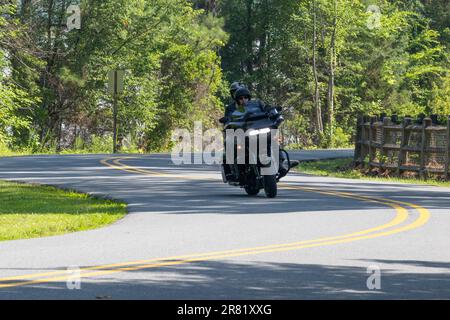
x,y
189,236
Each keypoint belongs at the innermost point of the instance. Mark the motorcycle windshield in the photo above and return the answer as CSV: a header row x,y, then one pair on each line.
x,y
252,109
252,118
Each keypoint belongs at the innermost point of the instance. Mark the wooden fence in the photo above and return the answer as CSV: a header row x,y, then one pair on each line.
x,y
420,146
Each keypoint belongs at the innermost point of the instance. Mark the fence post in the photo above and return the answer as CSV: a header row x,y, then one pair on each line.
x,y
447,146
371,156
383,141
405,137
364,147
358,141
426,123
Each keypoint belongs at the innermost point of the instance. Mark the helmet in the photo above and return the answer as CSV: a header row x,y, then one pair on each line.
x,y
242,92
234,87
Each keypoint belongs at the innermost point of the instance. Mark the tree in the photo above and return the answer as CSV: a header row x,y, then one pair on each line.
x,y
168,48
327,62
16,102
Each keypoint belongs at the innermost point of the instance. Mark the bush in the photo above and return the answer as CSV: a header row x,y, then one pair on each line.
x,y
3,148
100,144
339,139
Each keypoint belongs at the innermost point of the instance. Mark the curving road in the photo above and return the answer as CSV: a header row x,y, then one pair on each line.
x,y
189,236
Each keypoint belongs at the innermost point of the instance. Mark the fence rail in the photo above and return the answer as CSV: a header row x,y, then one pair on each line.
x,y
420,146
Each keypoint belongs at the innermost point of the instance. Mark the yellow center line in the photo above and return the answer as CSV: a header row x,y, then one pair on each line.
x,y
401,216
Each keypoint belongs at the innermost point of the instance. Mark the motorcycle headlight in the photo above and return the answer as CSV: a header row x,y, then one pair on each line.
x,y
256,132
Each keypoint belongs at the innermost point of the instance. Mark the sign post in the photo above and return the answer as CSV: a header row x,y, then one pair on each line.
x,y
115,87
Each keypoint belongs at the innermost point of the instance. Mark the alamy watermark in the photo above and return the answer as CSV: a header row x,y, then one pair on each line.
x,y
374,19
73,278
73,12
213,146
374,280
74,18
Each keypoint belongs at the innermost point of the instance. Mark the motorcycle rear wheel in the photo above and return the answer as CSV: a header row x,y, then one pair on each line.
x,y
270,186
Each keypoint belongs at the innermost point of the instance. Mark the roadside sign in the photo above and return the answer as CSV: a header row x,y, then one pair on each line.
x,y
115,86
115,83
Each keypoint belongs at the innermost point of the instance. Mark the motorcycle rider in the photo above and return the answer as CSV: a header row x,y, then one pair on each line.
x,y
235,86
243,98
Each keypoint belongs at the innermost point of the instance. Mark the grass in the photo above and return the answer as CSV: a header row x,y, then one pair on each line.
x,y
63,152
9,153
342,168
31,211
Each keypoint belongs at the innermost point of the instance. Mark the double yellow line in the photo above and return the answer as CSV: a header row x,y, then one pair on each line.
x,y
392,227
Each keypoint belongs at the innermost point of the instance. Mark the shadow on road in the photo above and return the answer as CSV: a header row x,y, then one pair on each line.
x,y
226,280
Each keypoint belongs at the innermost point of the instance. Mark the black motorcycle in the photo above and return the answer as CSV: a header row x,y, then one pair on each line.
x,y
246,168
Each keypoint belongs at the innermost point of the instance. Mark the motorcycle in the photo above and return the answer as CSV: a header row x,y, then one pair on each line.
x,y
254,168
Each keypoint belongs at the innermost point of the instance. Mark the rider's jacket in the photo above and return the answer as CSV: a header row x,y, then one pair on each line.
x,y
229,109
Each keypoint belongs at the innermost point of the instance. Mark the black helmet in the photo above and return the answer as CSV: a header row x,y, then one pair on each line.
x,y
234,87
242,92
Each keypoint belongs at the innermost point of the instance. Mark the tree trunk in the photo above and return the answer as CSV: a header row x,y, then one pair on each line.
x,y
211,6
59,136
332,68
249,38
25,10
317,107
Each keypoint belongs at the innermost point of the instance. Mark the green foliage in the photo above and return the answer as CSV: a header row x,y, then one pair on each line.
x,y
179,56
4,150
440,96
168,49
398,66
338,138
96,144
17,102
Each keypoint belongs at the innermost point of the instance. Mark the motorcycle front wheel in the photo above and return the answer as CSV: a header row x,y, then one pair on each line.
x,y
252,190
270,186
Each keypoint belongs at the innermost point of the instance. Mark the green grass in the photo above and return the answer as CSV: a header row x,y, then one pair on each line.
x,y
9,153
342,168
31,211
